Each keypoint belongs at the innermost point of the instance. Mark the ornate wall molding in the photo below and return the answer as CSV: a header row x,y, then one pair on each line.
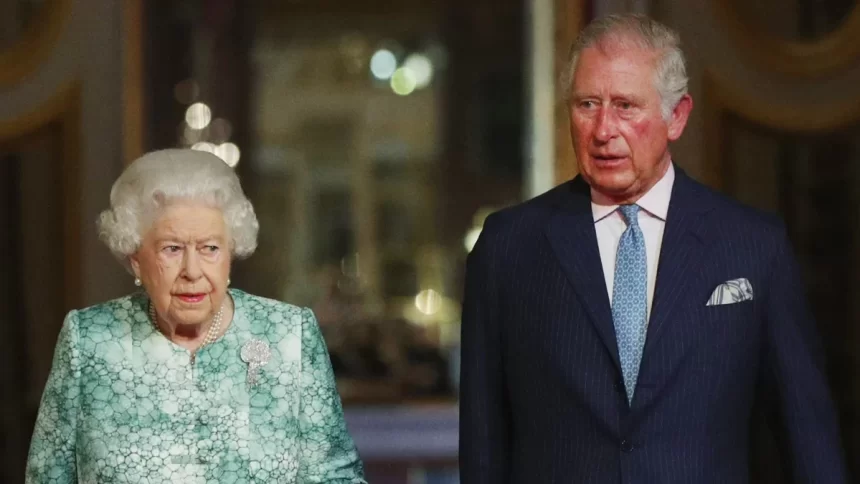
x,y
132,82
721,97
569,19
837,50
63,110
23,58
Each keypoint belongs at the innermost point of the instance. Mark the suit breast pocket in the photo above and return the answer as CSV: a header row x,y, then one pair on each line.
x,y
732,311
736,325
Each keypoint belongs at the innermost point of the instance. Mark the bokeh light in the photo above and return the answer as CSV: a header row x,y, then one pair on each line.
x,y
228,152
220,130
204,146
403,81
198,116
186,91
428,301
422,68
383,64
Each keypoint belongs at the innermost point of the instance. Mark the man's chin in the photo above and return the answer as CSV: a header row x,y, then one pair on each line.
x,y
613,192
614,186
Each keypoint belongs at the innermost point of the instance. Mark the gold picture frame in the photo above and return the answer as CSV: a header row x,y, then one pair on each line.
x,y
62,110
21,59
721,97
824,55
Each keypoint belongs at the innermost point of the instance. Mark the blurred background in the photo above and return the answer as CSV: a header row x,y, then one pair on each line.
x,y
374,136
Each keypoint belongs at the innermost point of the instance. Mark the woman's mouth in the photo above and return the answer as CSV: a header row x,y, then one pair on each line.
x,y
191,298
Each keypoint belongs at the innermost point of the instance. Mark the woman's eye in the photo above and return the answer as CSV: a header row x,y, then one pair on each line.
x,y
211,249
172,249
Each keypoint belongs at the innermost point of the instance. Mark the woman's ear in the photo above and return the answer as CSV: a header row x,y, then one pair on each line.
x,y
135,265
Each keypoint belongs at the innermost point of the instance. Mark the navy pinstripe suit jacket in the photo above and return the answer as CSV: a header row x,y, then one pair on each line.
x,y
542,400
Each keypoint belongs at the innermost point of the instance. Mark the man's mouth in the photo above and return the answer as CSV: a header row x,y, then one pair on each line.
x,y
608,159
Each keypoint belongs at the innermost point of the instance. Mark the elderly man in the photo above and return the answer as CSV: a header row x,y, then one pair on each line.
x,y
617,328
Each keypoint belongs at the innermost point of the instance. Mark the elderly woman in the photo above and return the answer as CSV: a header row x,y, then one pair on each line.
x,y
188,381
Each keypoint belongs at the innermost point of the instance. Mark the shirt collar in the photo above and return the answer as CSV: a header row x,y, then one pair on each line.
x,y
655,201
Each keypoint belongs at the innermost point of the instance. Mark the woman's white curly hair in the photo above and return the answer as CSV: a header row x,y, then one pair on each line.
x,y
162,177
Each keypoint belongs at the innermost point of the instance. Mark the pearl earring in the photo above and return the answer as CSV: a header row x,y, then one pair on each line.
x,y
228,281
137,282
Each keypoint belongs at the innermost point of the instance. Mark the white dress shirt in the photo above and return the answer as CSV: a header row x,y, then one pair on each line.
x,y
610,224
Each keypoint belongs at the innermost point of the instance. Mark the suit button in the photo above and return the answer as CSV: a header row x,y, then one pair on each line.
x,y
627,446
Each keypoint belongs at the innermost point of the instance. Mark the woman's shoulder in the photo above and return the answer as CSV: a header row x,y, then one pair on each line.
x,y
259,303
262,309
278,322
107,314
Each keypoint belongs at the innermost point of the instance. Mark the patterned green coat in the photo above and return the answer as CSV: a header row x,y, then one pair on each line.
x,y
124,404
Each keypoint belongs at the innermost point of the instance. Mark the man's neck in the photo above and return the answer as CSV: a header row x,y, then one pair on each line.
x,y
601,198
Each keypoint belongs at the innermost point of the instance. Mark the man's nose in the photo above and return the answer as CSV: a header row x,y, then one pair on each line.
x,y
607,126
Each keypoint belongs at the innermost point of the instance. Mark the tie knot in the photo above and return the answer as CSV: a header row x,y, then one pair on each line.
x,y
630,214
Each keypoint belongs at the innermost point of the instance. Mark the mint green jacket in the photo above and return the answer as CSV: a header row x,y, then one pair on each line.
x,y
124,404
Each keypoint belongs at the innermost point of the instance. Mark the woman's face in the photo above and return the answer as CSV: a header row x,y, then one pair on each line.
x,y
184,263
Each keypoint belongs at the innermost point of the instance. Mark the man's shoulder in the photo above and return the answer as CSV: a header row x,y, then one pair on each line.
x,y
527,216
732,214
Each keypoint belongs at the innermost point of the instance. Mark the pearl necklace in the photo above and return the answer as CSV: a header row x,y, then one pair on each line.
x,y
211,335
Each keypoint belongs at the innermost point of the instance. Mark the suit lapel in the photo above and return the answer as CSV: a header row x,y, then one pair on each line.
x,y
684,243
686,240
572,236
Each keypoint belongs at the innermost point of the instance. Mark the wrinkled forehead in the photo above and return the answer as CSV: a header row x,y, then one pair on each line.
x,y
622,37
626,46
191,221
614,68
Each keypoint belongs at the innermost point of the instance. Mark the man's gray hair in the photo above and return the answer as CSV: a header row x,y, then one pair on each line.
x,y
160,178
635,30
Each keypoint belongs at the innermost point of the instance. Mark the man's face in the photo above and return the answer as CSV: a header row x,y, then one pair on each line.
x,y
619,135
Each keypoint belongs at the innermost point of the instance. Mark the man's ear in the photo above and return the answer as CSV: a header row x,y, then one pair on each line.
x,y
680,115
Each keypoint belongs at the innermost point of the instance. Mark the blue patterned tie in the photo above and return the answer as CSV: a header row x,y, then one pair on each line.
x,y
629,297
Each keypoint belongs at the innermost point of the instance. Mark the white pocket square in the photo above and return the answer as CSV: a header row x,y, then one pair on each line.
x,y
730,292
